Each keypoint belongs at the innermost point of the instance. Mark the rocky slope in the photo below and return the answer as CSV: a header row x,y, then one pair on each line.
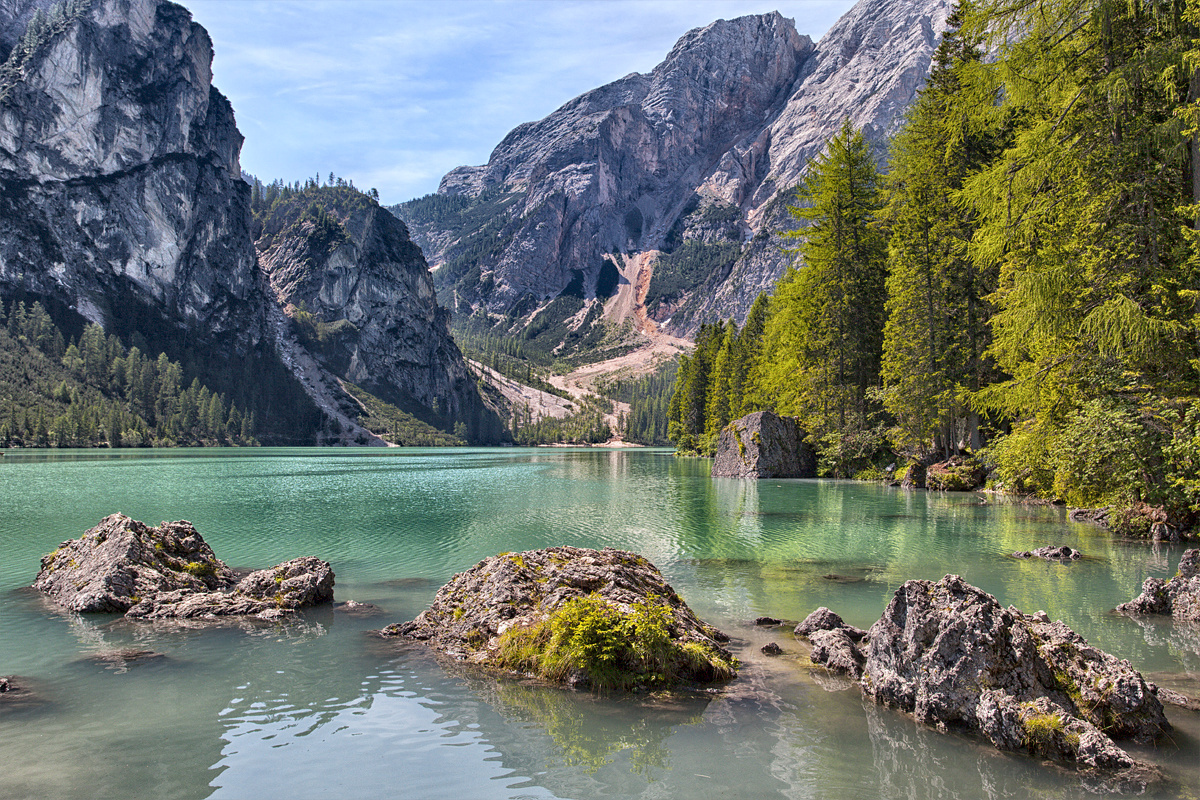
x,y
363,301
121,200
698,159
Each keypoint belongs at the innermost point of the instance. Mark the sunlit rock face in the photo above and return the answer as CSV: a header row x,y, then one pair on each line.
x,y
731,117
121,197
119,163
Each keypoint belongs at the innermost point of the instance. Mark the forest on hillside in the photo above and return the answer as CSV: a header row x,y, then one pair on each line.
x,y
1022,287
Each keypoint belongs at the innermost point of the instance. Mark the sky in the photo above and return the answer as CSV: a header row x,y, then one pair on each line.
x,y
393,94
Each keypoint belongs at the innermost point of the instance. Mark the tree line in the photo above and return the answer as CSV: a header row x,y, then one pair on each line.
x,y
93,391
1023,285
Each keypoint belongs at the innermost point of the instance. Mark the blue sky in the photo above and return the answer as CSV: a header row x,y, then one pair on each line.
x,y
395,93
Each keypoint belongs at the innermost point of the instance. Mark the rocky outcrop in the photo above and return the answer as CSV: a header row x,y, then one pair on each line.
x,y
764,445
950,655
586,618
369,314
722,130
955,474
169,571
1178,597
121,198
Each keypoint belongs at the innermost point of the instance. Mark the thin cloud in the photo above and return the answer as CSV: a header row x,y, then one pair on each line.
x,y
395,94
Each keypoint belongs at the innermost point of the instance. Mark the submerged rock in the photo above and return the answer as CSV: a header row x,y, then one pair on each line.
x,y
169,571
586,618
764,445
1062,553
1178,597
949,654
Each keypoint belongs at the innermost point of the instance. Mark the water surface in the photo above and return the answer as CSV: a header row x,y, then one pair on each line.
x,y
318,708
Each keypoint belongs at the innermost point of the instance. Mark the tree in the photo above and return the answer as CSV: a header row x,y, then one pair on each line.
x,y
937,317
823,339
1088,216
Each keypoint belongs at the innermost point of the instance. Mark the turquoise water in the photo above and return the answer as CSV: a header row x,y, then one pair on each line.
x,y
319,708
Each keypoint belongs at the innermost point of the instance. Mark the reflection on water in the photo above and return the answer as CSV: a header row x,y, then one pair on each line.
x,y
317,707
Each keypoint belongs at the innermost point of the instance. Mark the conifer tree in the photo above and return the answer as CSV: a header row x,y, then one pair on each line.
x,y
937,320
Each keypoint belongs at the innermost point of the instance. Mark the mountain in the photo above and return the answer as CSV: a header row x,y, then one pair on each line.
x,y
121,199
361,301
667,189
122,203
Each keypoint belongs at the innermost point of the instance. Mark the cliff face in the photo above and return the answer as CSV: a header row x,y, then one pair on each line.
x,y
121,198
362,298
727,122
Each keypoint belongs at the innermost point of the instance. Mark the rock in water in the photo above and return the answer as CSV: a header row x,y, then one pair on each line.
x,y
953,657
126,566
604,619
1178,597
764,445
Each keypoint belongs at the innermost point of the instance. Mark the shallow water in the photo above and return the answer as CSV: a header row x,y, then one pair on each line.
x,y
319,708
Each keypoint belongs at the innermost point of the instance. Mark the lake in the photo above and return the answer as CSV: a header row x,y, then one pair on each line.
x,y
317,707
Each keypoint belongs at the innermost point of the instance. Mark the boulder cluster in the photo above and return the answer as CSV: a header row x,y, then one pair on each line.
x,y
950,655
1178,597
127,567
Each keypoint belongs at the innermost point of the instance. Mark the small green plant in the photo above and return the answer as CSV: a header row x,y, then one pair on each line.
x,y
609,648
200,569
1043,732
459,612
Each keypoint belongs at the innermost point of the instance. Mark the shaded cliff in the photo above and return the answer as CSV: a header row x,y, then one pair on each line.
x,y
121,200
698,160
361,301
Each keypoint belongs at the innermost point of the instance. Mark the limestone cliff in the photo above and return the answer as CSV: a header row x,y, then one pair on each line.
x,y
721,130
121,199
362,300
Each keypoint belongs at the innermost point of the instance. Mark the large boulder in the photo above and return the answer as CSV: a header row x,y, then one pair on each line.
x,y
1178,597
950,655
955,474
602,619
125,566
764,445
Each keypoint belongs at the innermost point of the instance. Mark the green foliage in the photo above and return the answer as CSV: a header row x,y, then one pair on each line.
x,y
649,398
1043,732
937,315
586,426
397,426
94,392
689,266
609,649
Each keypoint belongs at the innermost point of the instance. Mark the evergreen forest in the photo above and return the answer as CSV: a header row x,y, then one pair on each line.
x,y
96,392
1020,288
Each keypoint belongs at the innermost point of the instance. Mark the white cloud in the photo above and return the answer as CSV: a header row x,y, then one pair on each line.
x,y
395,93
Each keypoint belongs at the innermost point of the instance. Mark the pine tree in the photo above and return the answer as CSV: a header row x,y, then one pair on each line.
x,y
937,318
823,339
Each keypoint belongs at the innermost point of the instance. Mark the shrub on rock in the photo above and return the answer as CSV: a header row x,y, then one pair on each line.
x,y
600,619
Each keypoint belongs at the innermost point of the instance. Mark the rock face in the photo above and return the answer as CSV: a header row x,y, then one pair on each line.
x,y
953,657
710,144
350,264
1179,597
764,445
517,592
121,198
169,571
